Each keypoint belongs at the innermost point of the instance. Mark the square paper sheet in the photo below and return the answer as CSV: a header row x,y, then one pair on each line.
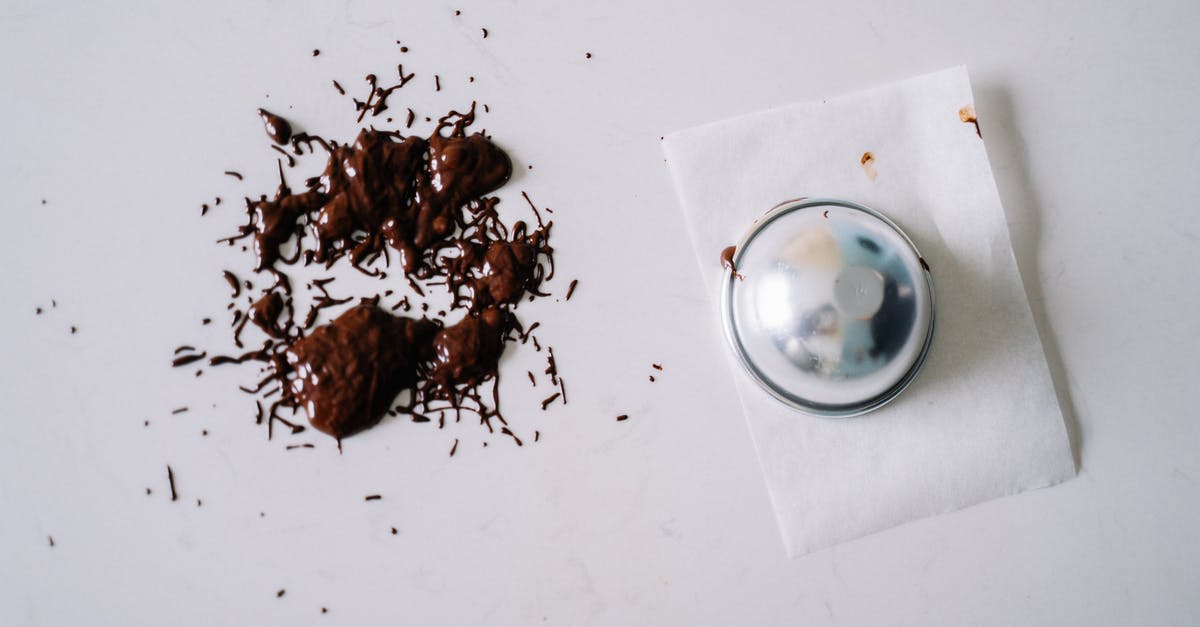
x,y
981,420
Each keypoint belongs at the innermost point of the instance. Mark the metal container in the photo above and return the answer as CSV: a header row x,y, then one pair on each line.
x,y
831,306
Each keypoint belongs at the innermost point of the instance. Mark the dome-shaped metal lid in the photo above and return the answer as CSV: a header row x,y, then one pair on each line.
x,y
830,308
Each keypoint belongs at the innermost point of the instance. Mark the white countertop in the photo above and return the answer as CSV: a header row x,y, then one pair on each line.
x,y
123,118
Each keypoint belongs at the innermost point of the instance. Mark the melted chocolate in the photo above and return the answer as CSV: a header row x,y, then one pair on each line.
x,y
348,373
727,261
425,199
967,116
278,129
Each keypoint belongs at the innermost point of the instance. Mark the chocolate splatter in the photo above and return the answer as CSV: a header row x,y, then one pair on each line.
x,y
278,129
171,482
387,203
727,261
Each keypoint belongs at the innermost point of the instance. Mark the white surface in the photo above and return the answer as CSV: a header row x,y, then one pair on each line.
x,y
123,118
981,420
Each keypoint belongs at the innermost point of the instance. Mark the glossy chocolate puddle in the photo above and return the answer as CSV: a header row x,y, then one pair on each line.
x,y
415,213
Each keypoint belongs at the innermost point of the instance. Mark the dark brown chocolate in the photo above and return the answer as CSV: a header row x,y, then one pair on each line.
x,y
278,129
423,203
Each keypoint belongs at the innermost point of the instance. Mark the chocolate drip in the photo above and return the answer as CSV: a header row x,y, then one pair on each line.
x,y
278,129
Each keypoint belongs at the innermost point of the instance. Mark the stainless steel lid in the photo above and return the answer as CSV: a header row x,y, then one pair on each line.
x,y
831,307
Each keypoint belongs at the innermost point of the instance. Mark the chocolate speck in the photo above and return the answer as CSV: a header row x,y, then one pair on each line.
x,y
316,52
51,539
587,55
657,367
171,482
652,378
622,417
395,531
74,330
454,448
372,497
280,593
236,175
868,165
485,32
571,288
924,264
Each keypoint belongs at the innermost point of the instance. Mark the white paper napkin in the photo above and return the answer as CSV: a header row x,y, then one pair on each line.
x,y
981,420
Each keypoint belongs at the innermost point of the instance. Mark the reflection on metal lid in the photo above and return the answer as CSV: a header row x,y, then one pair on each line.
x,y
834,310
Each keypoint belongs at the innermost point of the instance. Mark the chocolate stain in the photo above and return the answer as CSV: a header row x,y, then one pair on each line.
x,y
868,165
967,116
727,261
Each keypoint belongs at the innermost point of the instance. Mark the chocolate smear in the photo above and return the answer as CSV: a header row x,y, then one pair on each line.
x,y
727,261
